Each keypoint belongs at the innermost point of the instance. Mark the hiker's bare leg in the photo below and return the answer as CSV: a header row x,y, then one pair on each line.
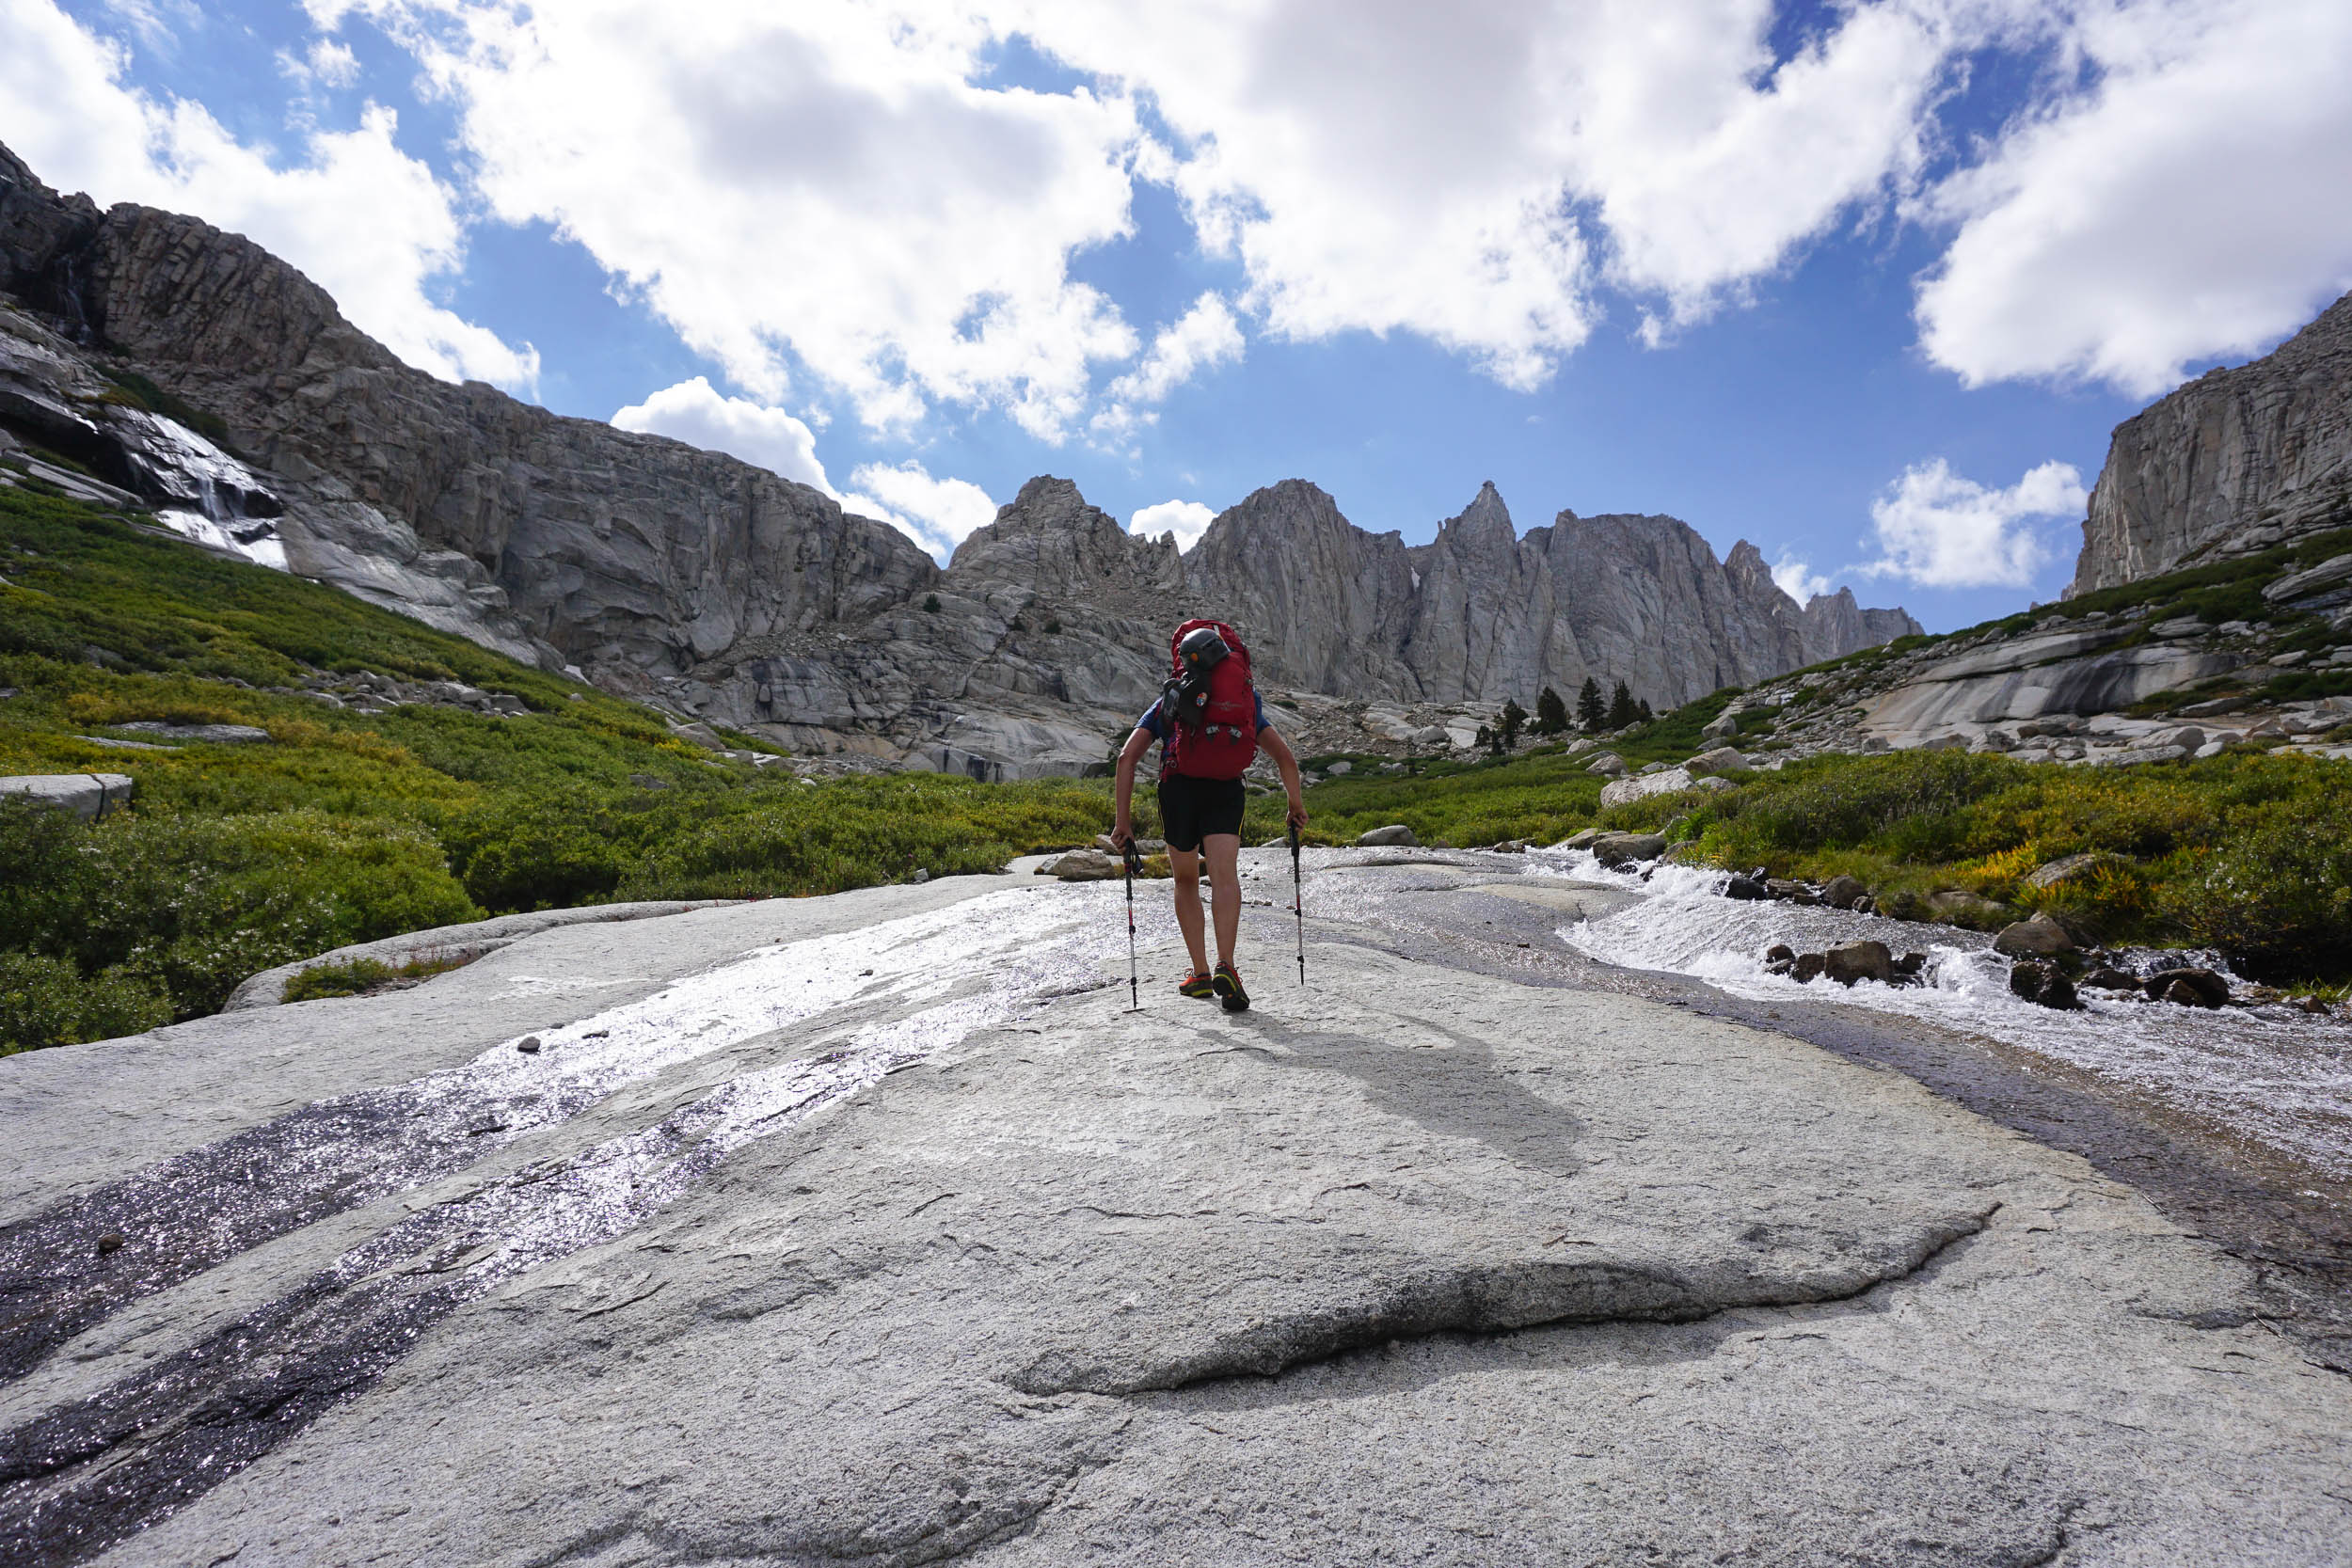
x,y
1223,853
1186,866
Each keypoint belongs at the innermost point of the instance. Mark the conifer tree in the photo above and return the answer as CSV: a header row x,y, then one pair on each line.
x,y
1511,719
1622,711
1551,714
1592,710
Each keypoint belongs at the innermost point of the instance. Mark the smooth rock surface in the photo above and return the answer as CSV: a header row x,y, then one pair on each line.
x,y
876,1229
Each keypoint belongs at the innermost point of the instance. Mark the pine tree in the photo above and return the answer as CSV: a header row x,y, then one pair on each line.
x,y
1646,714
1592,712
1551,714
1511,719
1621,712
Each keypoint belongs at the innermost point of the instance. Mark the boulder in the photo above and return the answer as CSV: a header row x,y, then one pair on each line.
x,y
1396,835
1843,892
1909,967
2189,987
1807,968
1616,849
1608,764
1780,953
1582,839
1723,759
1789,890
88,796
1722,726
1341,768
1747,889
1959,907
2068,867
1083,865
2040,938
2042,983
218,734
1853,962
1668,781
2108,978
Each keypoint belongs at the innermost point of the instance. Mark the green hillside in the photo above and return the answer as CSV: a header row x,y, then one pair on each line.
x,y
345,826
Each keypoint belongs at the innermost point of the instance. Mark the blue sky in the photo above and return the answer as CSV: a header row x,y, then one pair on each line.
x,y
1868,284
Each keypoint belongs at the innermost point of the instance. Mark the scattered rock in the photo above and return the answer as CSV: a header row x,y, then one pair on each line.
x,y
1608,764
1582,839
1789,892
1722,726
921,875
2040,938
1843,892
1854,962
1746,888
1396,835
1641,787
1620,849
1082,866
528,1045
88,796
218,734
1909,968
1958,907
2067,868
1340,768
1780,953
110,1243
2190,988
1807,968
2108,978
2044,983
1723,759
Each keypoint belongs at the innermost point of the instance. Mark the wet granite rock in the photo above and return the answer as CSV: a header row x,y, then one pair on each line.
x,y
1808,968
2042,983
1747,889
1854,962
2189,987
2040,937
1843,892
2107,978
1615,851
1789,890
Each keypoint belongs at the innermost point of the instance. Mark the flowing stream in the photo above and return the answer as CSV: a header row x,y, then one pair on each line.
x,y
2271,1073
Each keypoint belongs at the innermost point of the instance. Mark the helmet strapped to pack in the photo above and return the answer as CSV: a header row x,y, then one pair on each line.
x,y
1211,702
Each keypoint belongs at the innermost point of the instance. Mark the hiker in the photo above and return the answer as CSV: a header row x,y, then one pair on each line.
x,y
1210,722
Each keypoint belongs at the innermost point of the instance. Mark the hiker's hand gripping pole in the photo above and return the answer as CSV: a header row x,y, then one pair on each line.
x,y
1134,864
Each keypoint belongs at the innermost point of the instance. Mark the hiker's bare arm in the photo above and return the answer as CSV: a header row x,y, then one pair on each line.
x,y
1129,755
1270,740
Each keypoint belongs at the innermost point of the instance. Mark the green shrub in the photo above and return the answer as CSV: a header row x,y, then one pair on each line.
x,y
357,976
45,1001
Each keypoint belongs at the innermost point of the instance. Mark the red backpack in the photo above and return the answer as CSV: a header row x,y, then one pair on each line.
x,y
1211,707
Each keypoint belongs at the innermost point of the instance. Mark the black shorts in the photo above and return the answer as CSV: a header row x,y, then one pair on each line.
x,y
1192,809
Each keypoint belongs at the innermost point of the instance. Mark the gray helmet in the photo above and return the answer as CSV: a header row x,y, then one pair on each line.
x,y
1201,650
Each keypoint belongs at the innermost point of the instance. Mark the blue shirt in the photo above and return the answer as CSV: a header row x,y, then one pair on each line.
x,y
1158,726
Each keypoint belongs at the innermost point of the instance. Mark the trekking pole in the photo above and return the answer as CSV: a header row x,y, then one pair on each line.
x,y
1135,864
1299,904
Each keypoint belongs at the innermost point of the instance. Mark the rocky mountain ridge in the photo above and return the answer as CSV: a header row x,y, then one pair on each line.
x,y
726,592
2233,463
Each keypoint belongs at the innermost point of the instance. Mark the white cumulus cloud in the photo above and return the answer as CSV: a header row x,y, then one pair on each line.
x,y
936,514
2188,204
1186,520
1797,579
698,414
364,220
828,185
1203,337
1940,529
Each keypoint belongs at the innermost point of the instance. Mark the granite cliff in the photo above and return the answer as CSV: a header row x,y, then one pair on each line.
x,y
216,383
2234,462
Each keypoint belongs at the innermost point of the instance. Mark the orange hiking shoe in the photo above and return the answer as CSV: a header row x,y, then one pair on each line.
x,y
1228,983
1195,984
